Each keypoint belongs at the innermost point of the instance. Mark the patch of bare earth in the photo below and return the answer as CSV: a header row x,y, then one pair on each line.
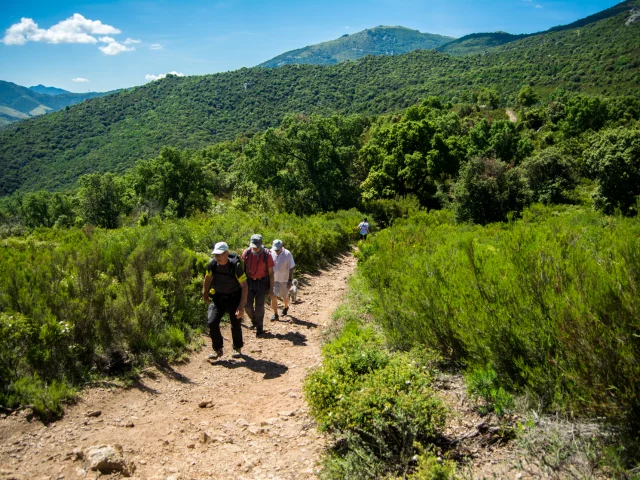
x,y
229,419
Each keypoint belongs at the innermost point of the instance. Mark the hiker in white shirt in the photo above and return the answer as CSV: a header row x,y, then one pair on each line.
x,y
283,276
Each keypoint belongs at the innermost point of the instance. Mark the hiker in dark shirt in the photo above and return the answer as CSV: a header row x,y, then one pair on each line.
x,y
225,291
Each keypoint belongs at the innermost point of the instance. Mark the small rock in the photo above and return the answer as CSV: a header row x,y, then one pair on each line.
x,y
76,454
191,446
242,422
256,430
287,413
205,438
93,413
205,404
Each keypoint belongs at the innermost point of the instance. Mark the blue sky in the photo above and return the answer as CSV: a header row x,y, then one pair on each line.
x,y
122,43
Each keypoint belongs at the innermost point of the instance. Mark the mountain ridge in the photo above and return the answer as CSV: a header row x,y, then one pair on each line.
x,y
112,132
380,40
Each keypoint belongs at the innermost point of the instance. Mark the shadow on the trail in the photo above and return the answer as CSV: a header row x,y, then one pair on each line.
x,y
268,368
296,338
137,384
168,371
303,323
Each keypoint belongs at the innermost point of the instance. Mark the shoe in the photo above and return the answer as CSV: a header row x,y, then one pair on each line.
x,y
216,354
259,333
284,311
237,353
274,317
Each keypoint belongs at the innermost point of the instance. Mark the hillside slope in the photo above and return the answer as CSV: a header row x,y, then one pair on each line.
x,y
112,132
374,41
34,101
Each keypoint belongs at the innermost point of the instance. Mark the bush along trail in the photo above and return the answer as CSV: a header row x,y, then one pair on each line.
x,y
233,418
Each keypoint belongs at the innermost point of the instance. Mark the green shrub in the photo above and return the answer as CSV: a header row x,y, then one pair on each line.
x,y
548,301
46,400
483,383
377,403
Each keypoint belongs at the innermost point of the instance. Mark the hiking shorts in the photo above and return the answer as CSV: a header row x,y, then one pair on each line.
x,y
280,289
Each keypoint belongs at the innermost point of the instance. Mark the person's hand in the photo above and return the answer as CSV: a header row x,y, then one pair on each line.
x,y
240,312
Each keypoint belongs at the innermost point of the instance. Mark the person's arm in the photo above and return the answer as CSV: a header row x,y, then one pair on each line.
x,y
205,288
243,299
271,282
290,280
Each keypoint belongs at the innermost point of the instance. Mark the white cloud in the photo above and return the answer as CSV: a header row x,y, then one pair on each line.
x,y
114,48
75,29
129,41
156,46
148,76
79,80
107,40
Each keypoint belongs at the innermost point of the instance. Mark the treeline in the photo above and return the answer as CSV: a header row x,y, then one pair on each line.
x,y
469,157
110,134
76,304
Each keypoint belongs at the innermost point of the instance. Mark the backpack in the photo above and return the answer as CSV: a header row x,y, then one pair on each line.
x,y
234,258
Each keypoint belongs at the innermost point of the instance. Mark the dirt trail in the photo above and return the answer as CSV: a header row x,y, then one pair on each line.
x,y
257,425
511,115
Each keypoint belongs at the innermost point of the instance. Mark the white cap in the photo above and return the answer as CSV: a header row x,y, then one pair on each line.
x,y
220,247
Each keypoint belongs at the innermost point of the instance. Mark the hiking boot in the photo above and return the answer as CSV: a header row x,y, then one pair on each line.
x,y
237,353
274,317
217,353
259,333
284,311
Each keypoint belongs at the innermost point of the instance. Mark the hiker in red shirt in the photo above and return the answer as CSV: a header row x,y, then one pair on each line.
x,y
259,268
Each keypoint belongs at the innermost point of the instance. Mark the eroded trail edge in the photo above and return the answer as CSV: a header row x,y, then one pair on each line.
x,y
243,418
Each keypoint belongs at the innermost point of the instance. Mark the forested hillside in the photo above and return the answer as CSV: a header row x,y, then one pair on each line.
x,y
111,133
19,103
373,41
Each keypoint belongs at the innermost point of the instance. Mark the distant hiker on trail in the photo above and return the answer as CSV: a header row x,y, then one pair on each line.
x,y
364,229
283,275
225,290
259,268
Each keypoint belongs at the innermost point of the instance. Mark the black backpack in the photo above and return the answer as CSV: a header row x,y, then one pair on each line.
x,y
234,258
245,254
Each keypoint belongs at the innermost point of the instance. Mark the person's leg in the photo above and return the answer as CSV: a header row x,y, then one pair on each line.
x,y
236,323
251,298
214,315
259,311
274,300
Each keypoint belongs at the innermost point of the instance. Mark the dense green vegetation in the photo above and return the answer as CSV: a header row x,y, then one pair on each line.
x,y
478,42
79,303
372,41
18,103
109,134
544,307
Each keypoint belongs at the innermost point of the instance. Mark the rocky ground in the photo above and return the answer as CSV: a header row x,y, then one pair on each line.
x,y
243,418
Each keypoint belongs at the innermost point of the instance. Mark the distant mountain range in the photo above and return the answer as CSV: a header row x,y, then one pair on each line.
x,y
598,55
19,103
373,41
48,90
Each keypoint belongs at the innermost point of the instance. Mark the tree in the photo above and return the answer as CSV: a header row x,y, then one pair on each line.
x,y
309,162
551,176
527,96
614,159
102,199
487,190
176,182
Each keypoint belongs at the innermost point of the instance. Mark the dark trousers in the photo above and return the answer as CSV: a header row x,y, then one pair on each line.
x,y
221,304
255,308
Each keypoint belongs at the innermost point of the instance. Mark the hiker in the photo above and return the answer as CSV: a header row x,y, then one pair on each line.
x,y
283,276
364,229
225,290
259,268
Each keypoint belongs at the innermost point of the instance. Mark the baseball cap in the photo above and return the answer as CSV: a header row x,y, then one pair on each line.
x,y
220,247
277,244
256,241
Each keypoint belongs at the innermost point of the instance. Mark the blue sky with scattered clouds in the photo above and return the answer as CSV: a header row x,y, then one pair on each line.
x,y
81,46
